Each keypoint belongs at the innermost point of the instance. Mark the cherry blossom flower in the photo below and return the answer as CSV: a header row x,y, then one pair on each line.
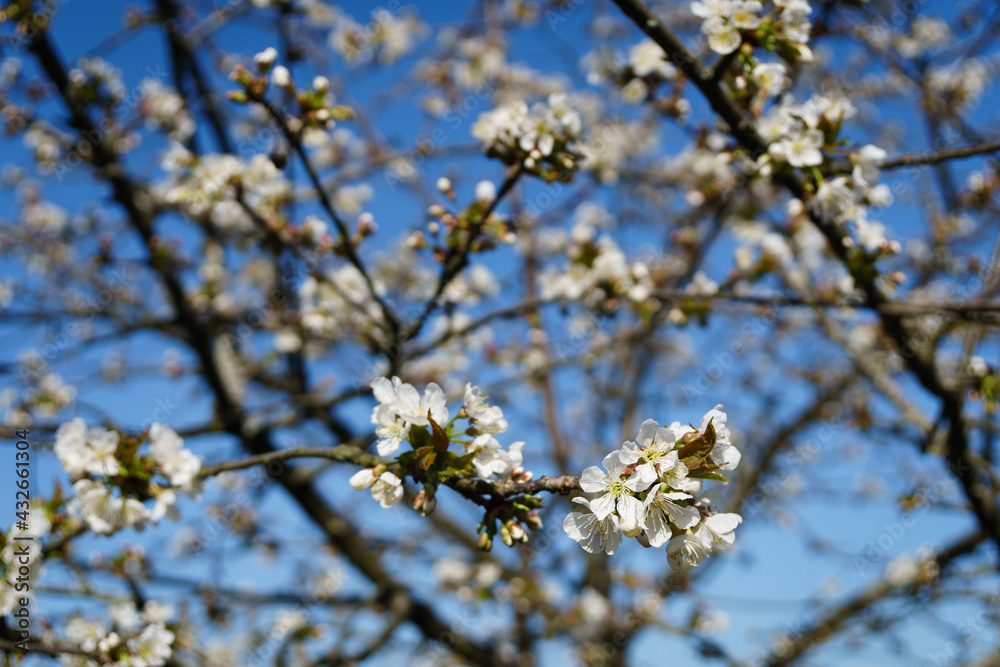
x,y
723,36
724,19
546,134
646,58
594,534
489,418
657,449
686,550
658,508
617,494
835,201
105,514
151,647
708,9
179,464
867,163
770,77
387,489
721,529
801,150
401,407
83,450
363,479
392,430
491,459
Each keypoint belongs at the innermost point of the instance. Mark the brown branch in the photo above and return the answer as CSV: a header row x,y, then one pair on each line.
x,y
342,453
505,488
295,141
942,156
459,259
351,454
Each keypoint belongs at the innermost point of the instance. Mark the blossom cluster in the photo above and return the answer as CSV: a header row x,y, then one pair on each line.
x,y
216,189
542,138
598,269
100,460
638,73
728,22
844,199
422,420
164,109
339,301
651,489
386,38
797,133
135,638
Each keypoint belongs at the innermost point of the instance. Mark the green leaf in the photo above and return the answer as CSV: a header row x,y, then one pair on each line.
x,y
418,436
457,466
708,474
439,437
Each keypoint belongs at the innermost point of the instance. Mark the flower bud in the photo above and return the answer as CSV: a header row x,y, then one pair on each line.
x,y
486,192
425,501
430,504
366,224
517,532
266,59
505,535
416,240
485,542
363,478
282,77
534,520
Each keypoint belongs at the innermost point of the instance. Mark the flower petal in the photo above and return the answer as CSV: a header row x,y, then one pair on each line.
x,y
592,480
720,524
647,432
602,506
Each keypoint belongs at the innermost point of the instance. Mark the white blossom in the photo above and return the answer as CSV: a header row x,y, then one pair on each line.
x,y
151,648
180,465
83,450
801,150
105,514
616,493
658,508
723,454
647,58
489,418
387,489
686,550
594,534
770,77
491,459
721,529
401,407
